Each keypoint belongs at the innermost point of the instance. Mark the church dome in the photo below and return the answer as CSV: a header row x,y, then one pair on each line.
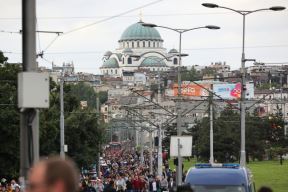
x,y
108,53
111,63
173,51
139,32
127,51
153,62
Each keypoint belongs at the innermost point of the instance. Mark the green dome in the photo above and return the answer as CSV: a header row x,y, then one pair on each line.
x,y
139,32
111,63
153,62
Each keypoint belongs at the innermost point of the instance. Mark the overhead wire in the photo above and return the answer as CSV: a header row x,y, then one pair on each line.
x,y
104,16
112,17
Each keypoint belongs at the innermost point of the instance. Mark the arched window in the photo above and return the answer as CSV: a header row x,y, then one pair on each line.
x,y
132,44
111,71
129,60
143,43
123,60
127,44
175,61
115,71
154,44
149,44
138,44
157,44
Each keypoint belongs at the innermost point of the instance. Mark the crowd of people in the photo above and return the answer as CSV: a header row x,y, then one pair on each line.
x,y
126,171
9,186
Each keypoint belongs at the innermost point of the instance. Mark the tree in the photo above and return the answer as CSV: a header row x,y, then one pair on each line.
x,y
3,59
191,75
84,136
86,124
9,119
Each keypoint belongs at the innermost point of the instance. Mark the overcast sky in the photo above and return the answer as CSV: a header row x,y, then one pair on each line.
x,y
267,32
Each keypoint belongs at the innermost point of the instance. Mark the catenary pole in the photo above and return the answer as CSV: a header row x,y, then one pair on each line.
x,y
29,118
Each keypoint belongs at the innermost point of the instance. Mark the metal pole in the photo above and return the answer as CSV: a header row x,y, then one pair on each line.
x,y
62,133
179,179
98,124
159,87
160,162
142,149
28,117
242,101
179,131
150,153
211,131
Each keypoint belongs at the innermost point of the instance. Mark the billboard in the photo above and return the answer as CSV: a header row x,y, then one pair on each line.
x,y
192,89
232,91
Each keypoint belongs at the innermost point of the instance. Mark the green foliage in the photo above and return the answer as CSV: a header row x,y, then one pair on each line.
x,y
84,92
83,133
3,59
261,134
9,119
103,96
191,75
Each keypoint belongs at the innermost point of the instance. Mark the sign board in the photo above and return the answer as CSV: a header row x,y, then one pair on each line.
x,y
185,146
192,89
233,91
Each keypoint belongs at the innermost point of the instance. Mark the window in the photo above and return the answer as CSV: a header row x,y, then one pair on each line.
x,y
138,44
111,71
154,44
127,44
132,44
149,44
129,60
175,61
123,60
115,71
143,43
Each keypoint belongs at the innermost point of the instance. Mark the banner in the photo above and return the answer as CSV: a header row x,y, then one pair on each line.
x,y
232,91
192,89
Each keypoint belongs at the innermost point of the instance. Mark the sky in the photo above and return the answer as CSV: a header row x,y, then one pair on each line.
x,y
266,32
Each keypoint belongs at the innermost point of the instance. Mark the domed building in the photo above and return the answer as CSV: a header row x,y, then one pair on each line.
x,y
139,48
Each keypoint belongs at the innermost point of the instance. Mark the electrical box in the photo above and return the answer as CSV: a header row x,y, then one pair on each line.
x,y
65,148
33,90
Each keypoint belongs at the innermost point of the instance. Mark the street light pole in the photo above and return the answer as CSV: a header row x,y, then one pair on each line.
x,y
178,104
242,101
243,72
211,130
62,131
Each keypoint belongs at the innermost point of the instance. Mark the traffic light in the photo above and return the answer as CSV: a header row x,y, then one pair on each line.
x,y
156,141
176,161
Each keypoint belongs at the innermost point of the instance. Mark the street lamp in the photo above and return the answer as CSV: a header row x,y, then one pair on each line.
x,y
243,79
179,131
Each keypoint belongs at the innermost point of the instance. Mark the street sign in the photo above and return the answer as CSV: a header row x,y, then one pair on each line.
x,y
182,144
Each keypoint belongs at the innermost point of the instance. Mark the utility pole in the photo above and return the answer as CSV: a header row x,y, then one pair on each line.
x,y
178,109
141,145
150,152
160,161
98,124
62,131
29,118
211,129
